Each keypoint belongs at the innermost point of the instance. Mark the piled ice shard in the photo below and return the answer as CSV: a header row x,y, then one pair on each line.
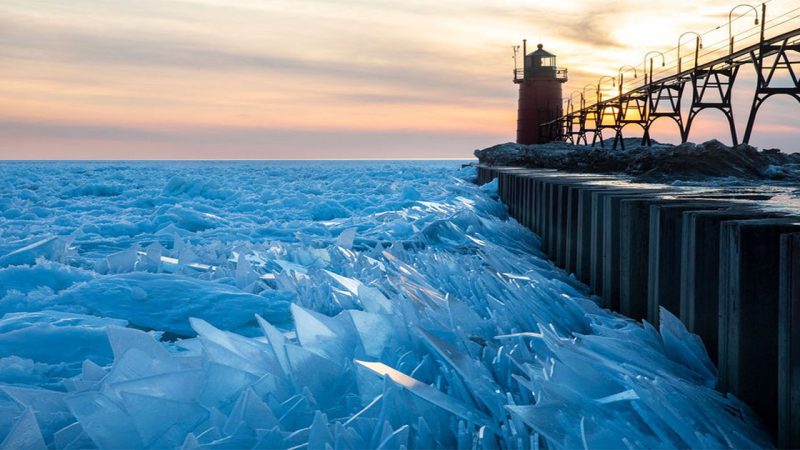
x,y
371,305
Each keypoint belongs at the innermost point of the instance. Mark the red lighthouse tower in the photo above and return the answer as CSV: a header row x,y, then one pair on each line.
x,y
539,83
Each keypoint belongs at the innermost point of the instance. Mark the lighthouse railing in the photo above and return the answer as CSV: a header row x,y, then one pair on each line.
x,y
556,73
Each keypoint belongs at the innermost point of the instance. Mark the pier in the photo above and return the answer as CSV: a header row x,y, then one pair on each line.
x,y
715,258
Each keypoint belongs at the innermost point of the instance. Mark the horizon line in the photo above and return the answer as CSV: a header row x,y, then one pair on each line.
x,y
2,160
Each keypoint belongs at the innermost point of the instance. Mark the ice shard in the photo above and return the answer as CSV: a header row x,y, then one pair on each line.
x,y
429,394
25,434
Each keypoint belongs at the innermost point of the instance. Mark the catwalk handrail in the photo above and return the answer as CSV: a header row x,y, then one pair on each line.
x,y
728,59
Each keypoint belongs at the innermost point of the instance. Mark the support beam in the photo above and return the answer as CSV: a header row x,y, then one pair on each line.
x,y
749,294
612,237
700,267
789,343
665,246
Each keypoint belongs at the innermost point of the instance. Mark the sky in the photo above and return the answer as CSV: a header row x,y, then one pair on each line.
x,y
321,79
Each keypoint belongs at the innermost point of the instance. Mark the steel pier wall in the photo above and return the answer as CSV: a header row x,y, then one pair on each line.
x,y
729,270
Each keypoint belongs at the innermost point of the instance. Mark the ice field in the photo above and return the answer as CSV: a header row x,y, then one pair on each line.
x,y
341,305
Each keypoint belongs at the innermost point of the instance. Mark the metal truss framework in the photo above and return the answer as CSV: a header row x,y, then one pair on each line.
x,y
784,57
711,88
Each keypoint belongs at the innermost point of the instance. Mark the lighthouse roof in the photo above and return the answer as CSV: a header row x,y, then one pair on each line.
x,y
541,52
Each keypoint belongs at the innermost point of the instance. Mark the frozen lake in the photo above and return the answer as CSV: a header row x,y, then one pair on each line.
x,y
364,304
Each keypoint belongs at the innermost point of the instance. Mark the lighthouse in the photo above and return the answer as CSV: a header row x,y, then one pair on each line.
x,y
539,83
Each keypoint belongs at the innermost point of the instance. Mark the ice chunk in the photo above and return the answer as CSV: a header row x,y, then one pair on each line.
x,y
245,275
124,339
271,440
72,437
373,300
307,370
233,350
56,337
153,254
686,348
424,436
374,330
24,371
44,276
346,238
630,394
326,336
327,210
135,364
251,410
171,230
396,439
474,374
191,219
172,422
187,256
491,187
91,371
568,421
163,301
25,434
53,248
106,423
224,383
409,193
429,394
50,411
319,435
124,261
348,283
179,385
277,343
291,267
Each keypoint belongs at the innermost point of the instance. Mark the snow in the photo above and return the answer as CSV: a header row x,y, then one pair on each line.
x,y
321,304
709,162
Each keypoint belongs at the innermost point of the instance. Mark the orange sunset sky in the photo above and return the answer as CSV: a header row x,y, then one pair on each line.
x,y
268,79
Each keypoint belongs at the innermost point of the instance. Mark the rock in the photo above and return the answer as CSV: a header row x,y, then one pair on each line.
x,y
656,163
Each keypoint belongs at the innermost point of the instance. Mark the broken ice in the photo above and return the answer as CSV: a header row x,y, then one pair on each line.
x,y
318,305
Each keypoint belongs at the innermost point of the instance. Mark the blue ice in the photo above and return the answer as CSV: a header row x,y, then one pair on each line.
x,y
319,305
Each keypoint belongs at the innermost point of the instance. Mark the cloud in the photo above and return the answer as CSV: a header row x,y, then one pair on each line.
x,y
155,73
412,70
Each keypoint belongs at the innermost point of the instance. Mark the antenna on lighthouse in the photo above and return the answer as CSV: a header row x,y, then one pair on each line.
x,y
524,51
